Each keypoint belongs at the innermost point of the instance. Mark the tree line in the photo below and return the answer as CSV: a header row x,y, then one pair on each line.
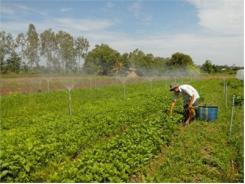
x,y
48,51
210,68
60,52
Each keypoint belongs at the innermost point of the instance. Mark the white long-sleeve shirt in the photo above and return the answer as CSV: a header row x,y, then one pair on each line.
x,y
187,91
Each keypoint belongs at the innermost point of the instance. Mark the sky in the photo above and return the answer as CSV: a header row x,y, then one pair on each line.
x,y
204,29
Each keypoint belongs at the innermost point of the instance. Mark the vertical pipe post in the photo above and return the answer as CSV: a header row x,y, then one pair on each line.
x,y
224,86
48,83
124,90
232,114
90,83
226,89
151,84
69,96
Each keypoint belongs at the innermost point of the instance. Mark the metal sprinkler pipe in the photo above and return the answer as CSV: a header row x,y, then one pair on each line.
x,y
124,90
95,86
69,87
48,85
151,85
90,83
226,89
224,86
232,114
69,98
123,81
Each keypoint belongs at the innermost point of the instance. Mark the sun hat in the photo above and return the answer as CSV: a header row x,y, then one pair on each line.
x,y
173,86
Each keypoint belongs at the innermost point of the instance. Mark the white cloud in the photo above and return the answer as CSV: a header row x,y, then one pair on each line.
x,y
73,26
218,48
221,49
136,9
82,24
18,9
220,16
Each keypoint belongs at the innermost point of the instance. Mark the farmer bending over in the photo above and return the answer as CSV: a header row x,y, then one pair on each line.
x,y
190,96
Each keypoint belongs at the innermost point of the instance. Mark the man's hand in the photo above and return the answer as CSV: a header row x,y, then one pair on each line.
x,y
171,108
190,103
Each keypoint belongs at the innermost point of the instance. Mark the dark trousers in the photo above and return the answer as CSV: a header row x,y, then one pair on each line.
x,y
192,112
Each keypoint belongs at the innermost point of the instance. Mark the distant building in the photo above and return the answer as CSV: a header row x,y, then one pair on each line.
x,y
132,73
240,74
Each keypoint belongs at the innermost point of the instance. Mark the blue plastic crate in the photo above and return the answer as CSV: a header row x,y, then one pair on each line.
x,y
207,113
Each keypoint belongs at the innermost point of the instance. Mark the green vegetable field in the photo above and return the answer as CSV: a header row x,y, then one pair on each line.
x,y
109,137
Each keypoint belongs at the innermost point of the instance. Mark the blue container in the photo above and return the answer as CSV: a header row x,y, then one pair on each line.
x,y
207,113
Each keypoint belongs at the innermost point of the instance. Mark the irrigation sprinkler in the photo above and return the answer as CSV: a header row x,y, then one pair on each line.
x,y
31,89
90,83
224,86
225,92
232,114
164,81
124,91
38,84
69,87
123,81
226,89
150,79
95,86
48,84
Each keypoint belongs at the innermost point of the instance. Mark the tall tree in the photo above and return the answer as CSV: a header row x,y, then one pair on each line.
x,y
101,60
66,50
81,47
20,41
142,62
49,49
180,60
136,59
13,63
32,46
208,67
6,48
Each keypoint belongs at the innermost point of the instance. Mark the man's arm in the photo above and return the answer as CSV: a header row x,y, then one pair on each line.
x,y
172,107
191,101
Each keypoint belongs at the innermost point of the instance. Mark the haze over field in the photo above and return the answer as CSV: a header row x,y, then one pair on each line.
x,y
203,29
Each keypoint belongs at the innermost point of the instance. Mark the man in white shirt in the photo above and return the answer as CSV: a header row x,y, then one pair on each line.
x,y
190,96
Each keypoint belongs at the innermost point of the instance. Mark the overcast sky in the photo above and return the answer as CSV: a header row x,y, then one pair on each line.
x,y
204,29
